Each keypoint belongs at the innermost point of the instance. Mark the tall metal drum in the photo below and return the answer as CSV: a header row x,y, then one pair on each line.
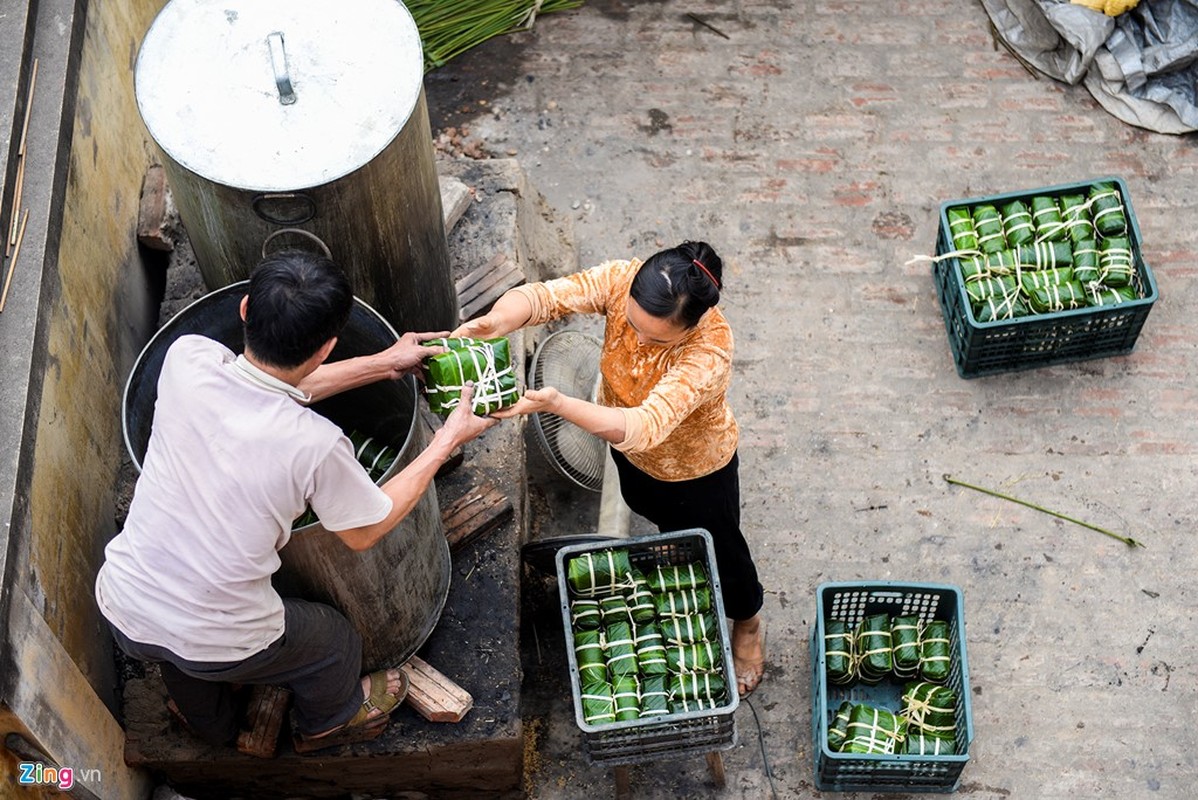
x,y
303,114
394,592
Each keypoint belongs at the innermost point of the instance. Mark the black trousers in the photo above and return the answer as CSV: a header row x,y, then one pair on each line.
x,y
318,657
711,502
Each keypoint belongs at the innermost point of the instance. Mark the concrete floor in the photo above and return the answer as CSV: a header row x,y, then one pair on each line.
x,y
812,147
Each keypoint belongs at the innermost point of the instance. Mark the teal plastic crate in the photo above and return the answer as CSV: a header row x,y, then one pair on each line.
x,y
1040,340
852,772
671,735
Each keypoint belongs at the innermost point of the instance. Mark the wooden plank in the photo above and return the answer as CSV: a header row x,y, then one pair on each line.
x,y
479,511
263,720
482,287
434,696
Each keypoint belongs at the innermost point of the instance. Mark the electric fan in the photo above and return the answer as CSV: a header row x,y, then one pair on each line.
x,y
569,361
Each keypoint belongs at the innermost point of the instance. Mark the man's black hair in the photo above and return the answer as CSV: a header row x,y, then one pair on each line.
x,y
297,302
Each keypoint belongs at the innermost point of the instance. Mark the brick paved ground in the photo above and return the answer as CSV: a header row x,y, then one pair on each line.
x,y
813,147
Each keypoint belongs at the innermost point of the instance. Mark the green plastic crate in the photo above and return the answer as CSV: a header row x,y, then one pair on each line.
x,y
671,735
852,772
1040,340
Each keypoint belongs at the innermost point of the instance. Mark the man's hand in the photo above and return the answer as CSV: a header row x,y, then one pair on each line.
x,y
534,400
404,357
463,425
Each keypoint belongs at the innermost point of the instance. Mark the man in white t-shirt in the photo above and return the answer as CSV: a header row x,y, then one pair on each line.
x,y
235,455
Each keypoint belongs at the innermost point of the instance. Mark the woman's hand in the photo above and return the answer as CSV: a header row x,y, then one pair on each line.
x,y
404,357
510,312
533,401
483,327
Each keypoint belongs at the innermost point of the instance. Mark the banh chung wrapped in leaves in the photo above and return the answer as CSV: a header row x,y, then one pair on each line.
x,y
620,649
376,456
1116,265
690,629
698,686
1017,223
1009,306
1000,286
683,603
873,730
1047,220
585,615
935,652
929,709
614,608
1065,297
838,652
904,645
485,362
698,657
1085,261
626,694
988,224
872,648
1041,278
1099,295
590,656
918,744
663,579
650,650
682,705
961,231
640,600
598,703
599,573
655,696
990,265
838,728
1106,209
1044,255
1075,212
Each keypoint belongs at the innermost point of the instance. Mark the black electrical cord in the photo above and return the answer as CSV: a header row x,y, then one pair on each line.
x,y
769,773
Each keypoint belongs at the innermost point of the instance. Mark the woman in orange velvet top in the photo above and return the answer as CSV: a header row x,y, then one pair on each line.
x,y
662,405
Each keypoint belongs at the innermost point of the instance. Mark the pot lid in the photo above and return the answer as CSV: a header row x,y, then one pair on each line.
x,y
278,95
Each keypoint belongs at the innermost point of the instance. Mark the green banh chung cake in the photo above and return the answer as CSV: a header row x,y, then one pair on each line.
x,y
894,648
1049,254
647,644
487,363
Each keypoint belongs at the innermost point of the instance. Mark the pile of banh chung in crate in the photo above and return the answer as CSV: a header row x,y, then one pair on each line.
x,y
647,644
1048,254
902,648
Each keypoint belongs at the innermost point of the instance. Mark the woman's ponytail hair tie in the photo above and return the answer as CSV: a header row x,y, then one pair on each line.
x,y
706,272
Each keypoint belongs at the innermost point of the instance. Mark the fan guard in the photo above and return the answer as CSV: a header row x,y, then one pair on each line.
x,y
569,361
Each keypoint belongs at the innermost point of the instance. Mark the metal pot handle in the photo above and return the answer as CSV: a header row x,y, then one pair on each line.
x,y
261,205
320,243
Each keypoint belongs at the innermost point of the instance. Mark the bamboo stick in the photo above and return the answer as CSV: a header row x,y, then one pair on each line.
x,y
20,185
11,239
12,263
1127,540
28,108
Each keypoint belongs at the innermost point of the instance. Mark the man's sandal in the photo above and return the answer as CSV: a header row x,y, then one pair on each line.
x,y
361,727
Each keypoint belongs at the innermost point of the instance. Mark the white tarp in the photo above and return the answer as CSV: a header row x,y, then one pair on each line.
x,y
1141,66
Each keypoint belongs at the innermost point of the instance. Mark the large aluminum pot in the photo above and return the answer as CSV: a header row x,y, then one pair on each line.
x,y
302,114
394,592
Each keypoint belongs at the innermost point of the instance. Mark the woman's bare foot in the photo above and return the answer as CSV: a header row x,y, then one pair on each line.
x,y
748,653
395,685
